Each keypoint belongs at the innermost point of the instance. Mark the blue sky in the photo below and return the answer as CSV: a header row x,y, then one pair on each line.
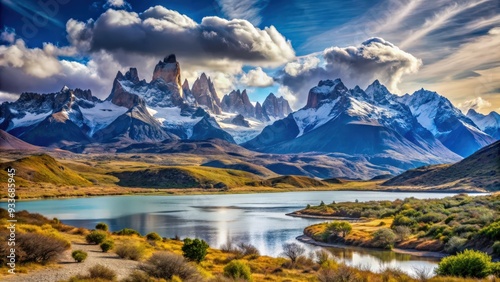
x,y
279,46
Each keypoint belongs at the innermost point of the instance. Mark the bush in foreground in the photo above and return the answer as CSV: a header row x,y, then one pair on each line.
x,y
101,272
469,263
133,252
33,247
79,255
166,265
194,250
238,270
107,245
96,237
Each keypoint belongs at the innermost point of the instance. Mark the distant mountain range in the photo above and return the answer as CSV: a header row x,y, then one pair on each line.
x,y
366,132
480,170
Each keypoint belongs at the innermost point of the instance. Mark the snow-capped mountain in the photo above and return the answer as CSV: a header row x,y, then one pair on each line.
x,y
447,123
272,108
371,123
135,111
489,123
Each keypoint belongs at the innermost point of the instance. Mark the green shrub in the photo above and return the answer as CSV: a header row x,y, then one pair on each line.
x,y
96,237
403,220
384,238
102,226
495,269
153,236
431,217
492,231
237,269
194,250
102,272
468,263
79,255
127,232
107,245
496,248
454,245
133,252
165,265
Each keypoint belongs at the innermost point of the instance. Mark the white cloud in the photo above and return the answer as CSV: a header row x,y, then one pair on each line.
x,y
117,4
243,9
8,35
438,20
360,65
302,65
477,103
159,30
256,78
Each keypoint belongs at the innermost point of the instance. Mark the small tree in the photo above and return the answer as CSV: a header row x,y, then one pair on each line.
x,y
102,226
96,237
293,251
403,232
79,255
468,263
339,227
384,238
194,250
345,228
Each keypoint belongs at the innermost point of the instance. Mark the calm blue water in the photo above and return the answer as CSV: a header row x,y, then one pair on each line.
x,y
258,219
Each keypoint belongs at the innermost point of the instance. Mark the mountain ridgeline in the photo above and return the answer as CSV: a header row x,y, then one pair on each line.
x,y
340,132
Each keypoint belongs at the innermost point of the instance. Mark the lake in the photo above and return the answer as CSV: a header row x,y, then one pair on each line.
x,y
258,219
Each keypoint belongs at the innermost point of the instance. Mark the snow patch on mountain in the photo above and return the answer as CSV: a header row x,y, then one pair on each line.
x,y
171,118
101,115
311,118
28,119
241,134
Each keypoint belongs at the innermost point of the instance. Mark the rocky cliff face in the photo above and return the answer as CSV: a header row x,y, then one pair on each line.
x,y
205,95
276,107
238,102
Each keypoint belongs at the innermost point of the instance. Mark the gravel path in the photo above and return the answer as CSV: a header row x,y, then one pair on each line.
x,y
67,267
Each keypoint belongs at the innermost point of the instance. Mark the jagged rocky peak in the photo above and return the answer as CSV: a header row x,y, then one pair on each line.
x,y
185,85
205,94
377,92
238,102
259,113
326,90
276,107
169,70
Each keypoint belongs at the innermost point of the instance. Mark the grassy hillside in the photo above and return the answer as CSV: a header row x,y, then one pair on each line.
x,y
185,177
43,168
288,181
480,170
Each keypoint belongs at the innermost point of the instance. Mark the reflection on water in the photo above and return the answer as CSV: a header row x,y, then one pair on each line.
x,y
258,219
378,260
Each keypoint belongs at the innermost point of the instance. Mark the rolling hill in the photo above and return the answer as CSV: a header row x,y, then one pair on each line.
x,y
480,170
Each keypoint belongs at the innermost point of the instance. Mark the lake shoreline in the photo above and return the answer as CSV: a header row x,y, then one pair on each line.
x,y
200,191
426,254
